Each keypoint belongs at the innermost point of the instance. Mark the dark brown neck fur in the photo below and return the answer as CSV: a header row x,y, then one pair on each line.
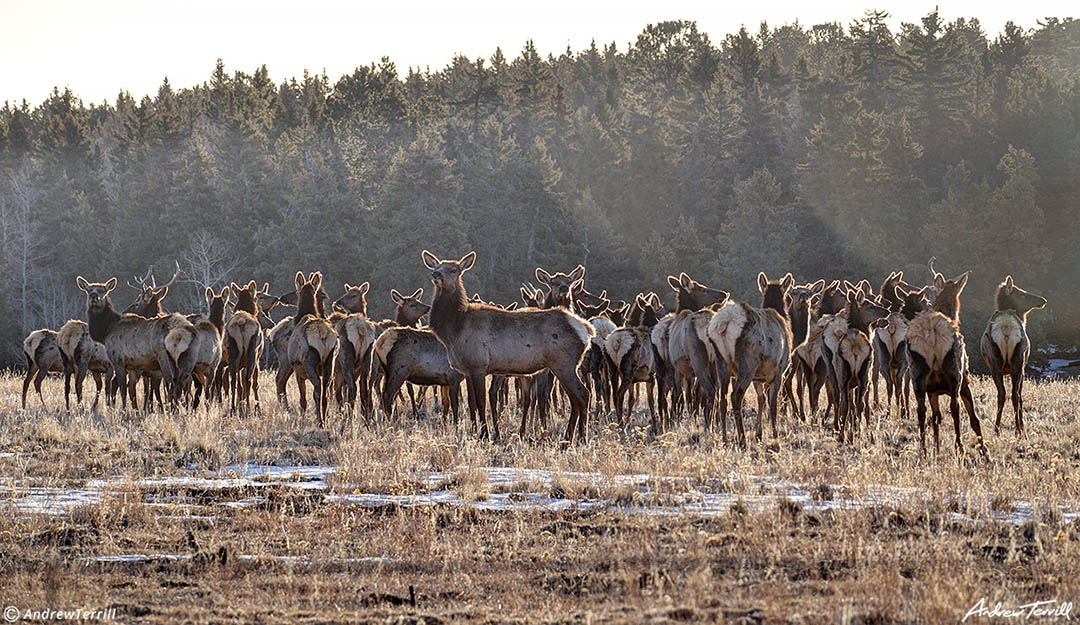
x,y
448,310
101,320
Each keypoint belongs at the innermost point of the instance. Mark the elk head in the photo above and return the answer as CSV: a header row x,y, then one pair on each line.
x,y
306,293
446,274
561,286
692,295
97,293
774,293
353,301
1011,297
247,297
408,310
215,303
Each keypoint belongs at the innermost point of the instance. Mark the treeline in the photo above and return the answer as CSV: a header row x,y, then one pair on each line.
x,y
831,151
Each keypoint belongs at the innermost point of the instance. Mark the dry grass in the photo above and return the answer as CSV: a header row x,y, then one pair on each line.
x,y
893,562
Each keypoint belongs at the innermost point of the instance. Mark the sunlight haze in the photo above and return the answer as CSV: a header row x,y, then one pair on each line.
x,y
101,48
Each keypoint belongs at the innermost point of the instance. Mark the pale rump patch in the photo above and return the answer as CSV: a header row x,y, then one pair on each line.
x,y
618,344
385,343
70,335
321,337
241,328
33,341
893,333
836,327
810,350
1007,331
602,327
581,327
725,327
854,348
659,336
932,335
177,341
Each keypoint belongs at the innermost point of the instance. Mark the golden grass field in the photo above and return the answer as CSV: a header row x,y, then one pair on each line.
x,y
813,532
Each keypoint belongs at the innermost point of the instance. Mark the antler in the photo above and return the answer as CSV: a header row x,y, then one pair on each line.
x,y
171,280
141,281
933,272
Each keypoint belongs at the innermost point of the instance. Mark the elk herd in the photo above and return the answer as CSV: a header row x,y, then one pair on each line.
x,y
566,348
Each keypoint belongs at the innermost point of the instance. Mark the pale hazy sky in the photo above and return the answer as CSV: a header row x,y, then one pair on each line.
x,y
98,48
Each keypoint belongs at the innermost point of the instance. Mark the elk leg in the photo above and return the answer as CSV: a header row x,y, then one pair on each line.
x,y
38,378
97,389
477,396
652,406
738,392
723,376
1018,401
67,384
31,369
935,420
774,398
281,380
999,383
493,393
455,400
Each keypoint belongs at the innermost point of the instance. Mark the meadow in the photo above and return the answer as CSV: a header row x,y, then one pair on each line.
x,y
213,516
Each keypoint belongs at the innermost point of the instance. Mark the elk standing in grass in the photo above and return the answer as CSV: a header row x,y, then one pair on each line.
x,y
43,356
848,340
939,361
754,345
416,356
800,301
135,343
82,354
690,351
889,339
208,354
481,340
631,352
1005,345
306,345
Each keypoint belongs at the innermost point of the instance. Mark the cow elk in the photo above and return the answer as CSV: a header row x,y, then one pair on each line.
x,y
482,340
306,345
753,345
631,352
938,360
43,356
81,355
1005,345
690,351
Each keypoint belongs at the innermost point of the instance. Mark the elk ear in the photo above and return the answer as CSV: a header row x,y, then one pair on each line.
x,y
1009,282
364,288
316,280
577,284
225,292
939,282
430,260
417,294
234,286
110,284
578,274
817,287
686,281
674,283
848,286
81,283
654,299
266,288
762,281
963,280
787,281
298,281
543,277
512,306
603,294
466,262
254,288
348,287
395,296
208,294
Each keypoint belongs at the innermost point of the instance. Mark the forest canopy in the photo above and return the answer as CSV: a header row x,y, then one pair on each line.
x,y
836,151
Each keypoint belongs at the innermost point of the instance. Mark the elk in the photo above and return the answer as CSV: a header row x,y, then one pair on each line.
x,y
595,364
887,337
631,352
356,335
1005,345
82,354
416,356
667,378
43,356
847,339
754,345
408,311
243,339
939,362
208,354
690,351
306,345
808,356
561,286
135,343
800,300
481,340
